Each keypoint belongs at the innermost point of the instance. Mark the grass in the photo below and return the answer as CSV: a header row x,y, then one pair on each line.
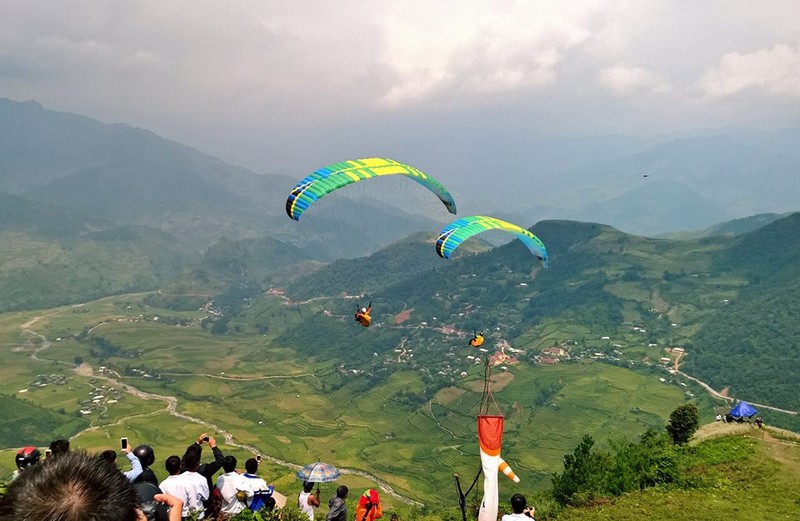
x,y
748,474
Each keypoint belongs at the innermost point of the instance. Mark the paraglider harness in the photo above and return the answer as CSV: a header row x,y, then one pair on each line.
x,y
483,409
363,315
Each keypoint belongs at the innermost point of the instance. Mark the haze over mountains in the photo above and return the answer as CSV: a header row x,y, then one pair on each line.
x,y
90,209
128,175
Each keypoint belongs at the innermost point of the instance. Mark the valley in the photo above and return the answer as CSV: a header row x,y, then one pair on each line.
x,y
173,380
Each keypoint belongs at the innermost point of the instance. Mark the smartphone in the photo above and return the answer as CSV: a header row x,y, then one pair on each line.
x,y
123,443
205,438
258,458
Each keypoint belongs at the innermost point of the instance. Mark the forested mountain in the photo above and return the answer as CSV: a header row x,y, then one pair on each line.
x,y
729,301
754,345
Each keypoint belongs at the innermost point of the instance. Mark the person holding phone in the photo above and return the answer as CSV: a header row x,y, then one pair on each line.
x,y
207,470
111,457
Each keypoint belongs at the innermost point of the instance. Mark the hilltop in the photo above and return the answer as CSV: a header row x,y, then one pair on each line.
x,y
738,472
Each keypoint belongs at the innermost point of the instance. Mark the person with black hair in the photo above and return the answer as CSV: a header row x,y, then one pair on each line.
x,y
259,494
229,486
337,505
76,486
522,512
136,467
207,470
307,501
176,484
59,447
199,500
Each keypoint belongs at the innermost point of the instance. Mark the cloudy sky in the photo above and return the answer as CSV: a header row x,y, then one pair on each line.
x,y
289,85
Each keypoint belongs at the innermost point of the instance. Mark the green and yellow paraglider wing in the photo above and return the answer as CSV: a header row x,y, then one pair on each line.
x,y
462,229
335,176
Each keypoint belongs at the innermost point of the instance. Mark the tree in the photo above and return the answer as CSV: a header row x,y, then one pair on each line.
x,y
585,472
683,423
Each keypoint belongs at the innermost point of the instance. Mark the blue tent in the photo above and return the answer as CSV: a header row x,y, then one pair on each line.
x,y
742,410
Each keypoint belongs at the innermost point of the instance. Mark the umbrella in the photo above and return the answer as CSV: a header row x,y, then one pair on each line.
x,y
318,473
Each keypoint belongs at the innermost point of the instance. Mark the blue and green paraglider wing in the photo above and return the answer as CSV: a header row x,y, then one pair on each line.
x,y
335,176
462,229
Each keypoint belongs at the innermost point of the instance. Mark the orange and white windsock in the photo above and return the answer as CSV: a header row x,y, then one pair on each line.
x,y
490,439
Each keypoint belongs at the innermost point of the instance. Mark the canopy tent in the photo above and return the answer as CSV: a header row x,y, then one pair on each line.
x,y
743,410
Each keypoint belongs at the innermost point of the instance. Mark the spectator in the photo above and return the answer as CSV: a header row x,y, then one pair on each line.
x,y
306,501
259,494
522,512
177,485
26,457
338,508
207,470
369,506
229,484
198,500
136,467
146,457
74,487
59,447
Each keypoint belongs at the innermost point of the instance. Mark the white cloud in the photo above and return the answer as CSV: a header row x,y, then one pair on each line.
x,y
623,80
775,70
466,49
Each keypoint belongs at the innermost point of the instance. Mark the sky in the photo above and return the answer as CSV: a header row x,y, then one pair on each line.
x,y
288,86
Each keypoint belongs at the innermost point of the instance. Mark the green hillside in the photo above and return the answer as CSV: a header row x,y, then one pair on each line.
x,y
25,423
732,472
638,292
759,331
45,270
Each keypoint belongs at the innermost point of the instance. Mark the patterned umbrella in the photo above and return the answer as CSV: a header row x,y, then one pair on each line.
x,y
318,473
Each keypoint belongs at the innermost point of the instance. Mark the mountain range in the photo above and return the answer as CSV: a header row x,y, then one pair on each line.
x,y
90,209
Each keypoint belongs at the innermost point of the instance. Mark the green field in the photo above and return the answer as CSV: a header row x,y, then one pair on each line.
x,y
267,398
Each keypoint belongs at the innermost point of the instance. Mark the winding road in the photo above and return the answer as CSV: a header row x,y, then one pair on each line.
x,y
171,408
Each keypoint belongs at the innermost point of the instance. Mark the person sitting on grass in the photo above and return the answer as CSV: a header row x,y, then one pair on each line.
x,y
522,512
259,494
228,486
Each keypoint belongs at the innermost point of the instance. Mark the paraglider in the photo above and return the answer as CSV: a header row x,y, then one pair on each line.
x,y
363,316
476,340
461,229
335,176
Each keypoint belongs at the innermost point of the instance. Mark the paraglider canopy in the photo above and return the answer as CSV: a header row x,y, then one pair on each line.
x,y
742,410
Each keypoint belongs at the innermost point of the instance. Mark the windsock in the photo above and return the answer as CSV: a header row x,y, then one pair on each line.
x,y
490,439
506,469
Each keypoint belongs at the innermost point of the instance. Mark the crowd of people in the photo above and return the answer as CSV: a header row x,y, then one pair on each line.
x,y
65,485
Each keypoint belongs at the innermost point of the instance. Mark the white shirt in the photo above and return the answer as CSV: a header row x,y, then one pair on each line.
x,y
516,517
181,488
302,504
200,492
252,484
229,484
